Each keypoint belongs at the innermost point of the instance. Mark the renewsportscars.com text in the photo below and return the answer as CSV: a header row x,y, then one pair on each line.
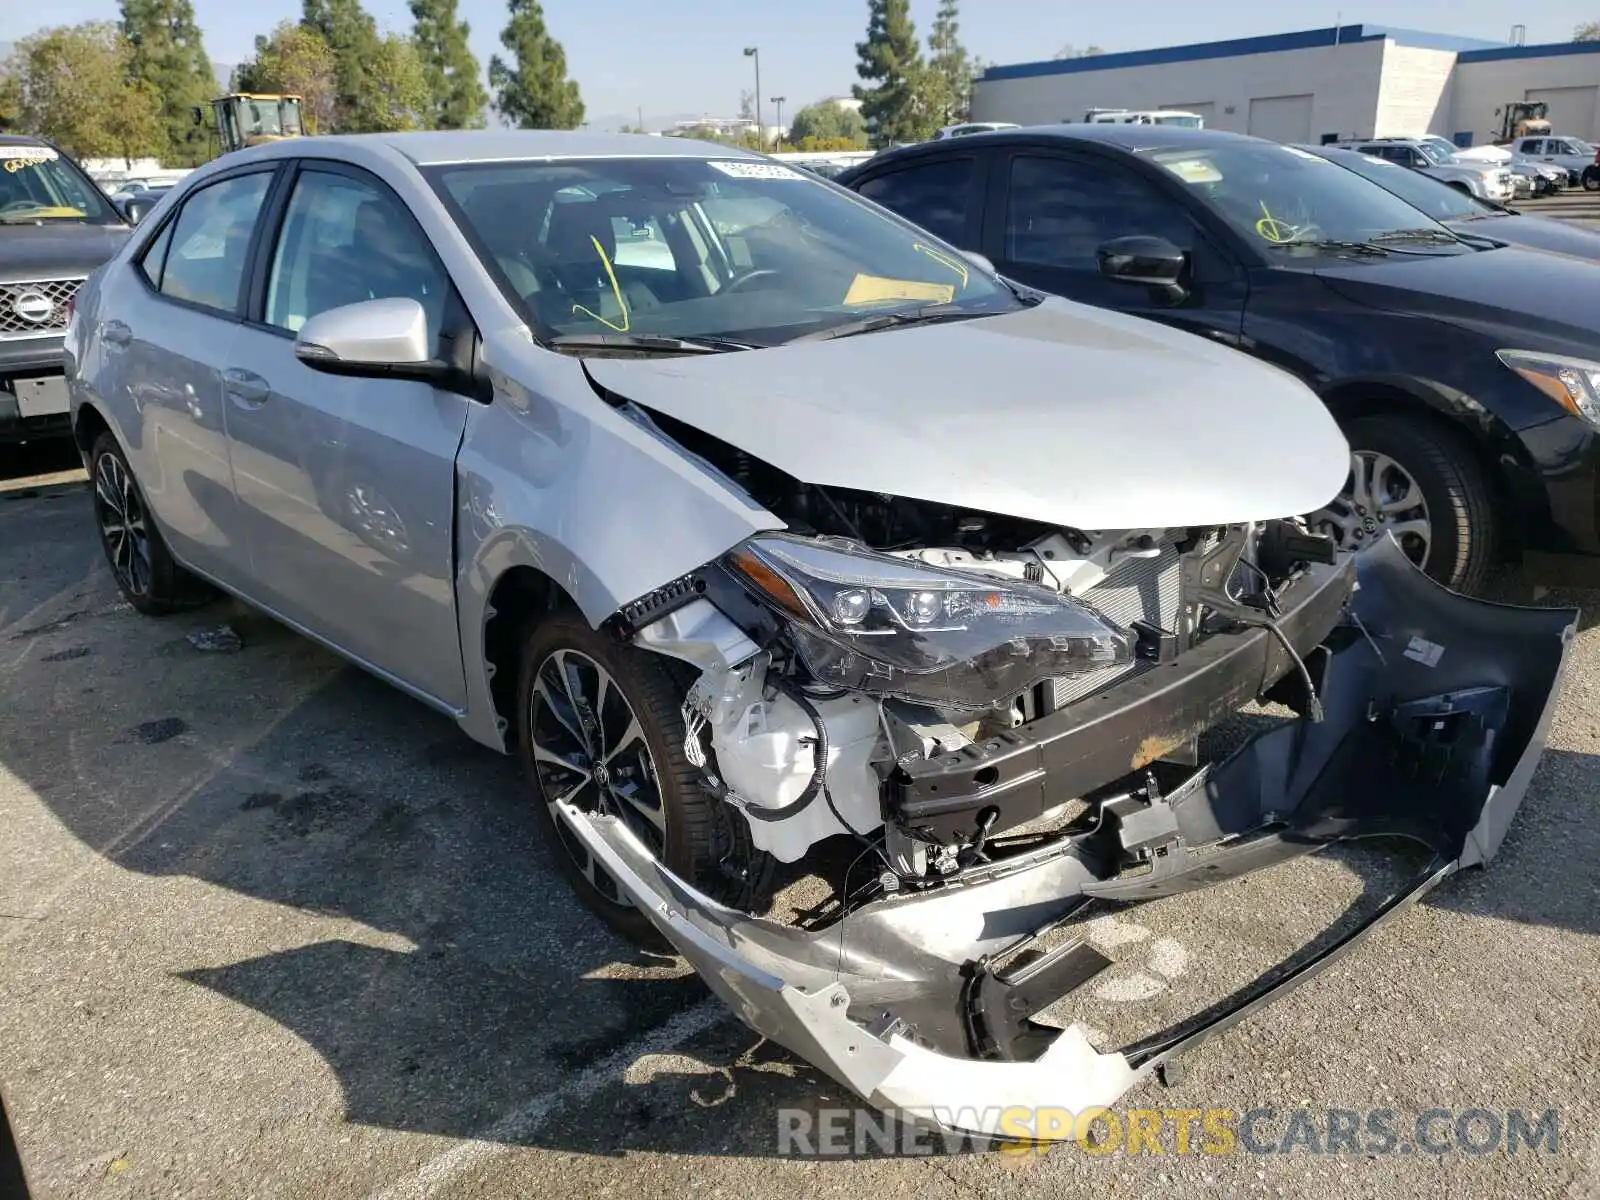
x,y
1378,1132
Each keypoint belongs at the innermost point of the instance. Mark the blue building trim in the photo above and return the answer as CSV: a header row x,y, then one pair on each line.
x,y
1546,50
1303,40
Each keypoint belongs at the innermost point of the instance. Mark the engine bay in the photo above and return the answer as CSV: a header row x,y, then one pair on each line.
x,y
807,739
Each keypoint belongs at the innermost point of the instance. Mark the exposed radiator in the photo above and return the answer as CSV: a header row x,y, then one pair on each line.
x,y
1137,589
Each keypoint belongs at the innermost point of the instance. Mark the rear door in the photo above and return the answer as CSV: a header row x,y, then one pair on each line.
x,y
1050,212
347,486
167,327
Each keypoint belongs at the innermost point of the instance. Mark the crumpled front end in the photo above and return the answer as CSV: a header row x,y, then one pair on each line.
x,y
1434,711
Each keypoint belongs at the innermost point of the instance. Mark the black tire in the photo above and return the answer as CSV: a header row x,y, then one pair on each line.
x,y
146,574
1465,532
1591,179
706,843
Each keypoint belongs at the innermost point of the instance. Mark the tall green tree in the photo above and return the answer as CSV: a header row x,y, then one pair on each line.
x,y
533,91
398,96
894,77
168,54
73,85
10,97
456,95
352,35
949,66
294,59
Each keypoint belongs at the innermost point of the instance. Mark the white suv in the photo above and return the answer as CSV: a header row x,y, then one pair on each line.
x,y
1487,182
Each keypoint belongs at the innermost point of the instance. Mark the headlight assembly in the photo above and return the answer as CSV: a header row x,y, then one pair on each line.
x,y
1573,383
890,627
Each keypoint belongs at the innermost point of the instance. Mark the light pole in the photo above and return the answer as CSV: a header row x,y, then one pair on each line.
x,y
761,135
777,137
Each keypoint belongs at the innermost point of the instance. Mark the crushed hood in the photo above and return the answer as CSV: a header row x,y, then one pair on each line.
x,y
1060,413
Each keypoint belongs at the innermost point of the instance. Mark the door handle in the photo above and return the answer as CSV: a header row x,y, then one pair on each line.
x,y
246,387
117,333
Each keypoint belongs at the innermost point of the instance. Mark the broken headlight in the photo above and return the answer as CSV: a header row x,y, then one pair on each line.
x,y
891,627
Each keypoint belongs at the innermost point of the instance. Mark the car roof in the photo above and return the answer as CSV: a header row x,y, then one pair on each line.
x,y
438,147
1134,139
23,139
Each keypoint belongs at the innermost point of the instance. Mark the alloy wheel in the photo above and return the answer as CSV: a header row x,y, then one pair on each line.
x,y
589,751
1379,497
123,525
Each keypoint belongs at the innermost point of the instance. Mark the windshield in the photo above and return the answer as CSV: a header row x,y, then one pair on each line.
x,y
1439,200
37,184
260,118
1182,122
1435,153
746,250
1279,196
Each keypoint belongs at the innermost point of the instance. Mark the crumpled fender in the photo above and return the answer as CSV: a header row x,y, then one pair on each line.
x,y
1437,707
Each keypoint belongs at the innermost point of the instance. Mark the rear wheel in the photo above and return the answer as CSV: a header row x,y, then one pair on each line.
x,y
148,576
1591,179
600,728
1420,481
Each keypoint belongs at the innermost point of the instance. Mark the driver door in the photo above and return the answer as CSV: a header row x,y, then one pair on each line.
x,y
1048,214
346,486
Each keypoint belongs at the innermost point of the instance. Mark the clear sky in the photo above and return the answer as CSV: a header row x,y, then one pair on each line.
x,y
684,56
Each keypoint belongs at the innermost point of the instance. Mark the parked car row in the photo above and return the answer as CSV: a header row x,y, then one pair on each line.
x,y
809,538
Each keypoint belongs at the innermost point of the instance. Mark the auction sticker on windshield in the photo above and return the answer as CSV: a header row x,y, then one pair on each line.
x,y
754,170
1193,170
18,158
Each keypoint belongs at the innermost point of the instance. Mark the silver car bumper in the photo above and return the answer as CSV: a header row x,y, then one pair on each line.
x,y
1436,713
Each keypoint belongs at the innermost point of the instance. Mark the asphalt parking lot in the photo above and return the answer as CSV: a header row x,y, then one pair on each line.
x,y
269,928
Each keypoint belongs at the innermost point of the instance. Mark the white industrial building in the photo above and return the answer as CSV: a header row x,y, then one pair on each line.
x,y
1313,86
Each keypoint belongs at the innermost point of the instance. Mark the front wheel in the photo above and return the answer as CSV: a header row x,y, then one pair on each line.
x,y
1420,481
600,728
1591,179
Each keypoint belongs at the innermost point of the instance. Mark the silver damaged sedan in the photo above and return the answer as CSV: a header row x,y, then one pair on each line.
x,y
766,528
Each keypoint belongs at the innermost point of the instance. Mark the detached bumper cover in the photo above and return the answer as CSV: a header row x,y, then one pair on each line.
x,y
1437,708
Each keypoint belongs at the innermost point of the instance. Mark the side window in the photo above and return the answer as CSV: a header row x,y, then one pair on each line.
x,y
210,241
1060,211
1533,146
155,255
345,241
935,195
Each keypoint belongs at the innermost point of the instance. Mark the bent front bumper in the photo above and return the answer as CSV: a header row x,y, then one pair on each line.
x,y
1437,708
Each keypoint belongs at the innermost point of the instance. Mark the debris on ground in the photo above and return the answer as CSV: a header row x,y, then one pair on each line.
x,y
224,639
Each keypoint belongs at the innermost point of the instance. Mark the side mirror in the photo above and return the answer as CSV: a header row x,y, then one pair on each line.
x,y
136,210
375,339
979,260
1153,261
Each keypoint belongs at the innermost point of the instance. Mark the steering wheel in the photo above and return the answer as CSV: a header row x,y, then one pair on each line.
x,y
738,282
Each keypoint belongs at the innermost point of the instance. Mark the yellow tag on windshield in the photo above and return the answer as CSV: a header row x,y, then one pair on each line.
x,y
1194,170
51,212
873,289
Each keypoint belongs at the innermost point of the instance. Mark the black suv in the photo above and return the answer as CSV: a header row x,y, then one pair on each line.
x,y
1466,374
56,227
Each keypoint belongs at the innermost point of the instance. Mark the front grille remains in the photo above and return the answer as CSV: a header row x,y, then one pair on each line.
x,y
1137,589
34,307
